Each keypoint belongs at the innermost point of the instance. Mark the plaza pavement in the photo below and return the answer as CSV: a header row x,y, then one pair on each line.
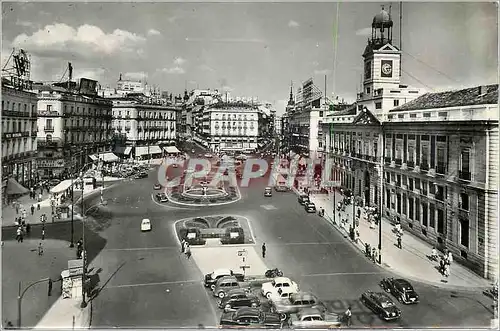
x,y
411,261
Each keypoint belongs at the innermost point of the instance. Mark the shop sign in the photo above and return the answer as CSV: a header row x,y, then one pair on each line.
x,y
48,113
13,135
50,163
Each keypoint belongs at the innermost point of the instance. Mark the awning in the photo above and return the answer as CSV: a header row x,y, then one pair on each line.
x,y
13,187
106,157
171,150
155,150
141,150
61,187
127,150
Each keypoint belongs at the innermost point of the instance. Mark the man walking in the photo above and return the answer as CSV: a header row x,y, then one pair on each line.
x,y
183,245
19,234
348,315
32,210
264,250
400,246
188,251
40,249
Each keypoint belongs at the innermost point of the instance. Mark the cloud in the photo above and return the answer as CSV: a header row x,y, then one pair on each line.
x,y
226,88
206,67
174,71
95,74
24,23
365,32
60,38
226,40
322,72
179,61
136,75
293,24
153,32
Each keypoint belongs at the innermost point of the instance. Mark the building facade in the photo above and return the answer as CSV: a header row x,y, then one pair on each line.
x,y
143,125
19,132
73,123
427,162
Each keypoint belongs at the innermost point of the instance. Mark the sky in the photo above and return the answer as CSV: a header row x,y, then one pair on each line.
x,y
251,49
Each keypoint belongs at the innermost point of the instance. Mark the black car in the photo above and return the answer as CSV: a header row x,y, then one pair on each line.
x,y
303,199
213,277
381,304
238,298
401,289
253,317
161,197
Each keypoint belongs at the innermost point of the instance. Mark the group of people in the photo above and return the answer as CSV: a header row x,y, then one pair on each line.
x,y
444,261
185,248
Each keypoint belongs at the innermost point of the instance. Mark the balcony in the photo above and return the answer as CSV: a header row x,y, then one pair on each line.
x,y
48,129
424,166
464,175
387,159
441,169
119,128
410,164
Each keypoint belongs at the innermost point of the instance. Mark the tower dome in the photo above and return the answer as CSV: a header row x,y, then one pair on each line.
x,y
382,19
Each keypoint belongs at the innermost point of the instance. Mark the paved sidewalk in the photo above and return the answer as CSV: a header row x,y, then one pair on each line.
x,y
411,261
67,314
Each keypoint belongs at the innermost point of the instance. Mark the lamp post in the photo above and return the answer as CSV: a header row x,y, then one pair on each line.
x,y
84,302
20,297
381,195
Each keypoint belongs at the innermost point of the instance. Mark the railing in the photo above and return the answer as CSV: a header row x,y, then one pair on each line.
x,y
441,169
48,129
12,113
410,164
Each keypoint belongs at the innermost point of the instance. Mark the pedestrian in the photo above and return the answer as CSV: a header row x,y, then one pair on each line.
x,y
28,229
40,249
39,197
38,207
434,255
447,270
264,250
348,316
183,245
18,234
188,251
17,207
374,254
450,257
32,210
400,246
43,234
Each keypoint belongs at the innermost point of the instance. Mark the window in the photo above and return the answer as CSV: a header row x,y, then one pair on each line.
x,y
320,113
48,123
49,108
411,155
410,184
375,145
378,105
432,221
405,204
417,184
464,201
424,187
441,161
387,198
398,180
465,164
398,203
396,103
440,219
410,208
424,214
464,232
424,163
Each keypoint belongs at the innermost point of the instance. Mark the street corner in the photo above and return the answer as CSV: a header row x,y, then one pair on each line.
x,y
218,230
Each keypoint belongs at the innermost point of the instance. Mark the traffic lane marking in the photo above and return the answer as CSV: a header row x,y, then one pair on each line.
x,y
194,281
346,274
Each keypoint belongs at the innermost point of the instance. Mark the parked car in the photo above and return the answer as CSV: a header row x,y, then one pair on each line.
x,y
145,225
381,304
238,298
314,318
271,288
157,186
401,289
213,277
281,188
253,317
268,192
303,199
224,285
161,197
282,293
294,303
310,207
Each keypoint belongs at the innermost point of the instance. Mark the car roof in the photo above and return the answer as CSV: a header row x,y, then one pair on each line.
x,y
381,296
247,311
227,278
404,283
302,296
222,271
236,291
146,220
282,280
309,311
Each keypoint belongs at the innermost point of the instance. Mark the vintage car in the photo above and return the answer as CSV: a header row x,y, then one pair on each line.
x,y
157,186
310,207
271,288
161,197
281,187
145,225
281,294
401,289
381,304
303,199
268,192
314,318
294,303
224,285
238,298
252,317
213,277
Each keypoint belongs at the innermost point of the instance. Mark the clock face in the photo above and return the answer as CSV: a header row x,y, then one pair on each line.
x,y
387,68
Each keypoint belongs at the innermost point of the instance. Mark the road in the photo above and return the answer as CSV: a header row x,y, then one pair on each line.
x,y
148,283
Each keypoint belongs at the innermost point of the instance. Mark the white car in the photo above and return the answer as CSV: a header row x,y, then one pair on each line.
x,y
208,155
270,289
146,225
281,294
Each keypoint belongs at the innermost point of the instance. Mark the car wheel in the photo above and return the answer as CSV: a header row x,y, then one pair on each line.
x,y
212,287
268,295
283,317
221,295
254,305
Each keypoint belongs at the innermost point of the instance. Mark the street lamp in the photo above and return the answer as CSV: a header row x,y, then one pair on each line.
x,y
84,303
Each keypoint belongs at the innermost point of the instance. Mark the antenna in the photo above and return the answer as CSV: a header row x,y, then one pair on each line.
x,y
400,36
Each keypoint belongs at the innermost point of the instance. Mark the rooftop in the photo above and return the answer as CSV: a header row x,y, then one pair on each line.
x,y
480,95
